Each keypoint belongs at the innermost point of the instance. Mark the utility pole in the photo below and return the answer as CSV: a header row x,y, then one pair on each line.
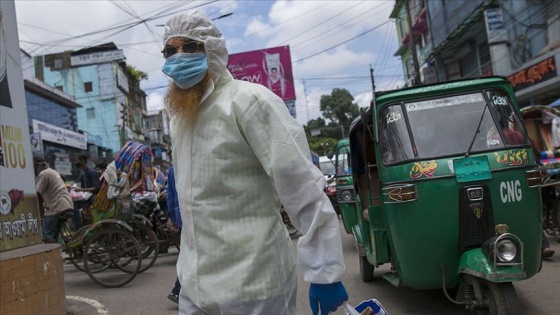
x,y
411,45
124,117
372,80
306,103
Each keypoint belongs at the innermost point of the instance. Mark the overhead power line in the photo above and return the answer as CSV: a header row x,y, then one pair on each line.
x,y
344,42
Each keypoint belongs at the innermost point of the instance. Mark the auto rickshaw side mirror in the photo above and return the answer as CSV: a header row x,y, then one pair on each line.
x,y
330,155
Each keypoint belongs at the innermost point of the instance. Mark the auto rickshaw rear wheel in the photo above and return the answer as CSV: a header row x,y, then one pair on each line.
x,y
501,298
366,269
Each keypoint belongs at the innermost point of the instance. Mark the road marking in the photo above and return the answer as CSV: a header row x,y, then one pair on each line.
x,y
101,309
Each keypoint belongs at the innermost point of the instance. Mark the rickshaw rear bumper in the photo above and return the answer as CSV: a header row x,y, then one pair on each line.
x,y
479,264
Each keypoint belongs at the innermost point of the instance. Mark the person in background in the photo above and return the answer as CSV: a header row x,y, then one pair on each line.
x,y
315,159
53,196
174,223
238,156
89,182
100,168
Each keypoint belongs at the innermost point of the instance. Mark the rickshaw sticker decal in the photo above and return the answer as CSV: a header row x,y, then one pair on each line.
x,y
499,100
393,116
512,157
426,168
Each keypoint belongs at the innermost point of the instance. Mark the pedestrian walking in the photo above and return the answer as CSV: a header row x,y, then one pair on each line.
x,y
238,156
175,223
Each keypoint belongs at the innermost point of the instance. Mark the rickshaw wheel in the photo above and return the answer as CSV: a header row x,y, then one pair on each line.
x,y
366,269
116,249
501,298
149,245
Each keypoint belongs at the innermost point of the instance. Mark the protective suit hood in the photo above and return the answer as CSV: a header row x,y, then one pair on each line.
x,y
197,26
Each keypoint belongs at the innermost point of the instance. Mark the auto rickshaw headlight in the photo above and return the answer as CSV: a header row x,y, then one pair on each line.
x,y
506,250
345,195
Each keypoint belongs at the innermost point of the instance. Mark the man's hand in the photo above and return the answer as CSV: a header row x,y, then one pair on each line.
x,y
326,296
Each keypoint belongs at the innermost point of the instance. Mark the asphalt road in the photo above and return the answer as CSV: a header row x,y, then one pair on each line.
x,y
147,293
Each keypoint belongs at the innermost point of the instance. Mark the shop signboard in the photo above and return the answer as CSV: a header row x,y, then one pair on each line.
x,y
59,135
97,57
19,213
271,67
539,72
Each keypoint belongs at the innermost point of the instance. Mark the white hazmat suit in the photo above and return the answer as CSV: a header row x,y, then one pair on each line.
x,y
234,167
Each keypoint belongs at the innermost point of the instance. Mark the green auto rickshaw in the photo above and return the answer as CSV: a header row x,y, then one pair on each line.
x,y
448,192
345,195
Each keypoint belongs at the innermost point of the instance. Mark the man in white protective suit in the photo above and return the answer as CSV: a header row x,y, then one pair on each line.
x,y
238,156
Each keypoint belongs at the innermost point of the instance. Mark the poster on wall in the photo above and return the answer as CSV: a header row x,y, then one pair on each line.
x,y
62,163
271,67
19,213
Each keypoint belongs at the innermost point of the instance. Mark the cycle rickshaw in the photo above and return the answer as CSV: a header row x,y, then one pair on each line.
x,y
115,247
539,122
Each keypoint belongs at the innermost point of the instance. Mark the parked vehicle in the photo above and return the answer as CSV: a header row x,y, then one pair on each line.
x,y
345,194
327,167
447,192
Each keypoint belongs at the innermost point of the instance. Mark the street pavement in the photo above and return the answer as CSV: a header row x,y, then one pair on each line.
x,y
147,293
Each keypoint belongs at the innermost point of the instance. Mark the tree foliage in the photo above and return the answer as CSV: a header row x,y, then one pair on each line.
x,y
339,108
322,145
135,75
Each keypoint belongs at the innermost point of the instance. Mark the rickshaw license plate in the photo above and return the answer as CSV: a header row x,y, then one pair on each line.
x,y
472,169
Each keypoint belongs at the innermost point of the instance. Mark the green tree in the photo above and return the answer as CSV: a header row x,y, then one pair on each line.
x,y
339,109
135,75
321,145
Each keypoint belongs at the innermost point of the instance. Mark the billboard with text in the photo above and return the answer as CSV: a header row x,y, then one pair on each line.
x,y
271,67
19,213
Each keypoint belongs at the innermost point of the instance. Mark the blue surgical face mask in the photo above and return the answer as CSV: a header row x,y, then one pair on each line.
x,y
186,69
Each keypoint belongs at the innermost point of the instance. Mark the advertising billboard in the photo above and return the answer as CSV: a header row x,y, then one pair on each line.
x,y
271,67
19,213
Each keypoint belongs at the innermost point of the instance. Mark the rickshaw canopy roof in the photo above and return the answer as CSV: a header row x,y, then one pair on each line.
x,y
536,112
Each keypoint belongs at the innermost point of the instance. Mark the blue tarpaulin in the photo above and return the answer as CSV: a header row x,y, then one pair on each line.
x,y
555,103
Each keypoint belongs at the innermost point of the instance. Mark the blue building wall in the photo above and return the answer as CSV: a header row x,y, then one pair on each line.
x,y
98,115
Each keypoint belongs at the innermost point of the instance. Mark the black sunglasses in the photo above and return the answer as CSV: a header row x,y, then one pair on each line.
x,y
189,47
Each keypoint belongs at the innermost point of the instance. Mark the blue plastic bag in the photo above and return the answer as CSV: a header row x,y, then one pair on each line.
x,y
374,304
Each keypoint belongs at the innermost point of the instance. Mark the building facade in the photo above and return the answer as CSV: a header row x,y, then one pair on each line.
x,y
97,79
52,124
158,138
518,39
